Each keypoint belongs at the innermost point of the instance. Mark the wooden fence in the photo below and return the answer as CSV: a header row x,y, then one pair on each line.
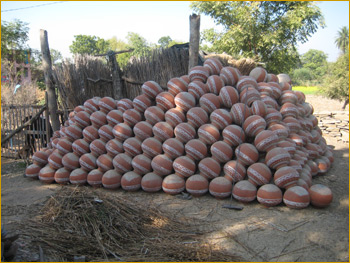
x,y
82,79
34,136
88,76
160,66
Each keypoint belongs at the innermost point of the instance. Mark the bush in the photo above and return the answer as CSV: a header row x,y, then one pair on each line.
x,y
336,83
302,77
27,93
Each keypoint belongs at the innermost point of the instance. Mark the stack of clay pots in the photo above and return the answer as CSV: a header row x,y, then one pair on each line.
x,y
213,130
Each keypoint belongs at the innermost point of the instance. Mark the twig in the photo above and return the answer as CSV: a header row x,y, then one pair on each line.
x,y
41,255
114,255
114,53
132,81
235,207
289,252
247,248
99,80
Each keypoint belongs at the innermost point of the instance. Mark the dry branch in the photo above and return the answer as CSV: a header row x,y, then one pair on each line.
x,y
98,80
115,52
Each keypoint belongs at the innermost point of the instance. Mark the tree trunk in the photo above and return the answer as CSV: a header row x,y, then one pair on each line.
x,y
346,102
194,40
50,88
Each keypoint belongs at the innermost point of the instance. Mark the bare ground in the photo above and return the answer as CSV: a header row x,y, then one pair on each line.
x,y
254,233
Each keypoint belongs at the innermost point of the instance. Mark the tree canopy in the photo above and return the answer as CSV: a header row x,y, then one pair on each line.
x,y
14,36
265,30
342,39
134,41
164,41
315,61
336,84
91,45
138,43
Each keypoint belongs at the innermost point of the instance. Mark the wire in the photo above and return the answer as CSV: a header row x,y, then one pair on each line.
x,y
15,9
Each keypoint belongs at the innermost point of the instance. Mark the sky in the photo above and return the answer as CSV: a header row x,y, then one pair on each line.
x,y
151,19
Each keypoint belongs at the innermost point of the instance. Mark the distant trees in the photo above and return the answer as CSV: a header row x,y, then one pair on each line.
x,y
134,41
342,39
164,41
138,43
313,67
90,45
93,45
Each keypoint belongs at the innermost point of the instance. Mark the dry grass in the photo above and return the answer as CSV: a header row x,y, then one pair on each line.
x,y
80,222
28,93
245,65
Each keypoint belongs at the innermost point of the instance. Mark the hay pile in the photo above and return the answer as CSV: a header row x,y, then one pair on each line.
x,y
244,65
79,222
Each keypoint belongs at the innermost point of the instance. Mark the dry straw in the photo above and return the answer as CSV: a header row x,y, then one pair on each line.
x,y
79,222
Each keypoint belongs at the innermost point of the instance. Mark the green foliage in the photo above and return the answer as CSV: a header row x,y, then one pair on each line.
x,y
14,36
312,69
91,45
135,41
315,61
139,44
116,44
342,40
264,30
302,76
56,56
336,84
164,41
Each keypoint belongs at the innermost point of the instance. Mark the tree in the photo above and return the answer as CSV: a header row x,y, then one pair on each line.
x,y
265,30
164,41
302,76
56,56
138,43
342,40
316,62
91,45
116,44
336,84
14,36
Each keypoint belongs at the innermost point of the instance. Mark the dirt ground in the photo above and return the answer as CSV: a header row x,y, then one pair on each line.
x,y
254,233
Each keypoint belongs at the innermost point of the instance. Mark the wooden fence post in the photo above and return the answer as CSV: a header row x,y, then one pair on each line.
x,y
117,85
47,120
50,88
194,40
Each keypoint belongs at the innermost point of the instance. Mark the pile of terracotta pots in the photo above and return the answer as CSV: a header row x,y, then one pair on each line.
x,y
213,130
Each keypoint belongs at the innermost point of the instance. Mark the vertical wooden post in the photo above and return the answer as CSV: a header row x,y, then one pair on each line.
x,y
117,85
47,120
50,88
194,40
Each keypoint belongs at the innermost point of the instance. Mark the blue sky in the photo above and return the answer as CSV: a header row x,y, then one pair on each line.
x,y
152,20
